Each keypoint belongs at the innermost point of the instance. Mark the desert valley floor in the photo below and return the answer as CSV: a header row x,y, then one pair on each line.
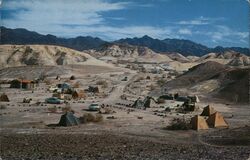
x,y
30,131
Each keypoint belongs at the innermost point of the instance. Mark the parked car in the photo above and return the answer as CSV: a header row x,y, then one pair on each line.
x,y
94,107
53,89
54,100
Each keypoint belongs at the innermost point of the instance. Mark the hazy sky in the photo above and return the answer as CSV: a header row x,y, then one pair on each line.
x,y
210,22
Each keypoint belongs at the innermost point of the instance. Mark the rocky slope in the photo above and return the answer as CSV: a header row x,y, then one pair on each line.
x,y
179,57
230,58
215,79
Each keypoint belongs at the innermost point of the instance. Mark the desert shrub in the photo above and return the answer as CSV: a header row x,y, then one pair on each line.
x,y
3,106
67,109
77,85
179,124
161,100
98,118
52,109
47,82
105,111
139,79
103,83
152,87
89,117
161,82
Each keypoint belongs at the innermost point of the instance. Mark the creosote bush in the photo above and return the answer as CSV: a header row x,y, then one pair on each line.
x,y
47,82
179,124
77,85
67,109
139,79
89,117
3,106
161,100
103,83
52,109
161,82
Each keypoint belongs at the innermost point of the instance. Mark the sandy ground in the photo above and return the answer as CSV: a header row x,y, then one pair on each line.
x,y
25,131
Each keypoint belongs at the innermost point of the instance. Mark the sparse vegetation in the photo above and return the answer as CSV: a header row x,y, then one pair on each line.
x,y
3,106
47,82
152,87
67,109
161,82
103,83
139,79
179,124
161,100
77,85
52,109
89,117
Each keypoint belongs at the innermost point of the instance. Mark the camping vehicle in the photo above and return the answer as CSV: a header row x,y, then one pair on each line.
x,y
125,79
64,86
94,107
53,89
166,97
53,100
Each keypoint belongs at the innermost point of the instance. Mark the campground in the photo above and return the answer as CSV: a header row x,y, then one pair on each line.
x,y
29,130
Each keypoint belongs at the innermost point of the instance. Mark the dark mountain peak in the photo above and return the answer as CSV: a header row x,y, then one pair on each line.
x,y
218,47
146,37
51,36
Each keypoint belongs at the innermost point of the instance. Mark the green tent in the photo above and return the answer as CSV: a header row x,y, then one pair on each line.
x,y
68,119
138,103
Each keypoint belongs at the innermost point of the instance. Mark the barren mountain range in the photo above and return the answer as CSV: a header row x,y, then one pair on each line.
x,y
184,47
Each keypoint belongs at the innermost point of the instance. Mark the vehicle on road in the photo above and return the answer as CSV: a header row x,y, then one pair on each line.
x,y
94,107
54,100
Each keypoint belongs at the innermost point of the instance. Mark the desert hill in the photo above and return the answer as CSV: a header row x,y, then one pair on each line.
x,y
178,57
124,51
234,85
198,73
214,79
230,58
22,55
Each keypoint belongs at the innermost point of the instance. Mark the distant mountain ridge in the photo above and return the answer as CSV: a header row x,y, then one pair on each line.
x,y
23,36
184,47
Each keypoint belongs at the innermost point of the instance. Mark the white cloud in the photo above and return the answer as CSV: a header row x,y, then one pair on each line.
x,y
223,33
58,12
200,21
83,17
185,31
113,33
